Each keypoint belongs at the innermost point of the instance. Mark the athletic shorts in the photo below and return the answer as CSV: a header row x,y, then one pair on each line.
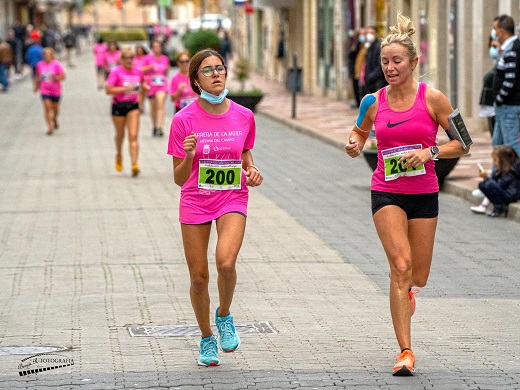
x,y
123,108
209,222
414,205
54,99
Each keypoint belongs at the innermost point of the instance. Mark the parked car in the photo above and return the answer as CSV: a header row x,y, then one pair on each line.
x,y
210,21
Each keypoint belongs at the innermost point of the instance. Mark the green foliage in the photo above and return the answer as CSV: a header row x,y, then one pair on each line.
x,y
202,39
250,92
124,34
242,72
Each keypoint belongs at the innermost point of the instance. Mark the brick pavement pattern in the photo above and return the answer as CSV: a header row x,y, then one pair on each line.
x,y
86,251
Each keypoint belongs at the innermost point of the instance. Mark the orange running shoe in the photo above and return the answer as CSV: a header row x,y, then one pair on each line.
x,y
135,169
411,296
405,365
119,163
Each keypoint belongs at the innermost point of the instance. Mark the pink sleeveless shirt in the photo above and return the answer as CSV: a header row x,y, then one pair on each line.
x,y
397,130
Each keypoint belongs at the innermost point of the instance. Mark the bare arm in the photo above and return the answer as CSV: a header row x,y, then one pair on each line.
x,y
361,130
439,108
254,178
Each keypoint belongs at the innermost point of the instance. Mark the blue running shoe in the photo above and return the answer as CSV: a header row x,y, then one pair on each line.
x,y
208,352
228,337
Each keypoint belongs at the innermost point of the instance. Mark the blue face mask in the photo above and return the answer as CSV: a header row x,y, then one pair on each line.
x,y
362,39
493,52
494,35
212,98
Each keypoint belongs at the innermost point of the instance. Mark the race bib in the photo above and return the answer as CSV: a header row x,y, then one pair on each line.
x,y
157,80
220,174
393,168
186,101
46,77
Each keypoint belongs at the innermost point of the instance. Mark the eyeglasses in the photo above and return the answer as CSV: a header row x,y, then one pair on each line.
x,y
127,57
184,61
208,71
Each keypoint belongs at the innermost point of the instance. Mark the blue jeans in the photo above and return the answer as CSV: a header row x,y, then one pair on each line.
x,y
507,127
4,78
496,194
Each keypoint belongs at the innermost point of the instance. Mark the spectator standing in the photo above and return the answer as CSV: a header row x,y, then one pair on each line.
x,y
359,64
374,77
19,35
13,42
353,51
225,47
69,39
506,85
6,59
33,55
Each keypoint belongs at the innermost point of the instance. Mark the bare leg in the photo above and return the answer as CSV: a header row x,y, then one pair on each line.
x,y
230,230
409,246
153,111
160,98
47,107
132,120
119,124
195,239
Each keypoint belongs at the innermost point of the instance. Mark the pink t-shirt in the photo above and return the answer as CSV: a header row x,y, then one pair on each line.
x,y
99,52
220,139
397,132
156,77
138,62
111,60
187,94
47,71
120,77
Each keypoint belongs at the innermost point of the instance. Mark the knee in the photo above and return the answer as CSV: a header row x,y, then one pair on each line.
x,y
199,282
401,272
226,268
420,281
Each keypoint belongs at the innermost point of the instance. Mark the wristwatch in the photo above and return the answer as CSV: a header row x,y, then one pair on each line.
x,y
434,150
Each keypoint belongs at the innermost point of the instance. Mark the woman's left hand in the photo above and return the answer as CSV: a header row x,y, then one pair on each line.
x,y
253,176
416,158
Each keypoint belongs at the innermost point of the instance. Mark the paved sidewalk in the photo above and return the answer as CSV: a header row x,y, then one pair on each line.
x,y
86,251
332,121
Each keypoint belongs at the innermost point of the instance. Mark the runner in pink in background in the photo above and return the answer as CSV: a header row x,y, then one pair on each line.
x,y
210,142
180,89
124,83
155,68
140,54
112,57
49,75
100,48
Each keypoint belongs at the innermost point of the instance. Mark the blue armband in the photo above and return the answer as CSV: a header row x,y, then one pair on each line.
x,y
363,108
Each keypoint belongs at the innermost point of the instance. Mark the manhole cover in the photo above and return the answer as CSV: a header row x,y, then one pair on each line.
x,y
193,330
29,350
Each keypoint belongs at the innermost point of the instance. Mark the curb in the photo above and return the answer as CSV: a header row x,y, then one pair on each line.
x,y
449,186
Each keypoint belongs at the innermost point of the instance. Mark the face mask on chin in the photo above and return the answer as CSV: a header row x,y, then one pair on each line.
x,y
493,52
213,99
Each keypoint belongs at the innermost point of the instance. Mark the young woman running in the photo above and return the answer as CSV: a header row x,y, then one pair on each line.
x,y
180,89
124,83
155,68
406,116
49,75
211,141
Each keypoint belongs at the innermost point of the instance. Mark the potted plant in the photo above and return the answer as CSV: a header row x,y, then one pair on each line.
x,y
247,98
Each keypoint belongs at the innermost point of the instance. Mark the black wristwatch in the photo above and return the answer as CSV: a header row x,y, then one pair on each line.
x,y
434,150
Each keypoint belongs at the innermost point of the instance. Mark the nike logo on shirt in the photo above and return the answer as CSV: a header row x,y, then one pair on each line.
x,y
390,125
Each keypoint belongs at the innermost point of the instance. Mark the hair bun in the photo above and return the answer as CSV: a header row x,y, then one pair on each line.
x,y
404,26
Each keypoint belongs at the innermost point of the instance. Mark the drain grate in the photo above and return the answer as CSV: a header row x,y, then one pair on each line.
x,y
30,350
193,330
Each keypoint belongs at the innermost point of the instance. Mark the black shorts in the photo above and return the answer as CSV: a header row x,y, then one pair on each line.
x,y
414,205
123,108
54,99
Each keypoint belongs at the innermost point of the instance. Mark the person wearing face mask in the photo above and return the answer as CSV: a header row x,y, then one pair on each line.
x,y
359,64
374,77
487,110
506,85
210,142
353,50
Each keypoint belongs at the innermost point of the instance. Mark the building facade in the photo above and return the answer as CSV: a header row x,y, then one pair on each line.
x,y
452,36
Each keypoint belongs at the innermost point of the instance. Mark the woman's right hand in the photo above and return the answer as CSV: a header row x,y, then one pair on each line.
x,y
190,145
352,148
